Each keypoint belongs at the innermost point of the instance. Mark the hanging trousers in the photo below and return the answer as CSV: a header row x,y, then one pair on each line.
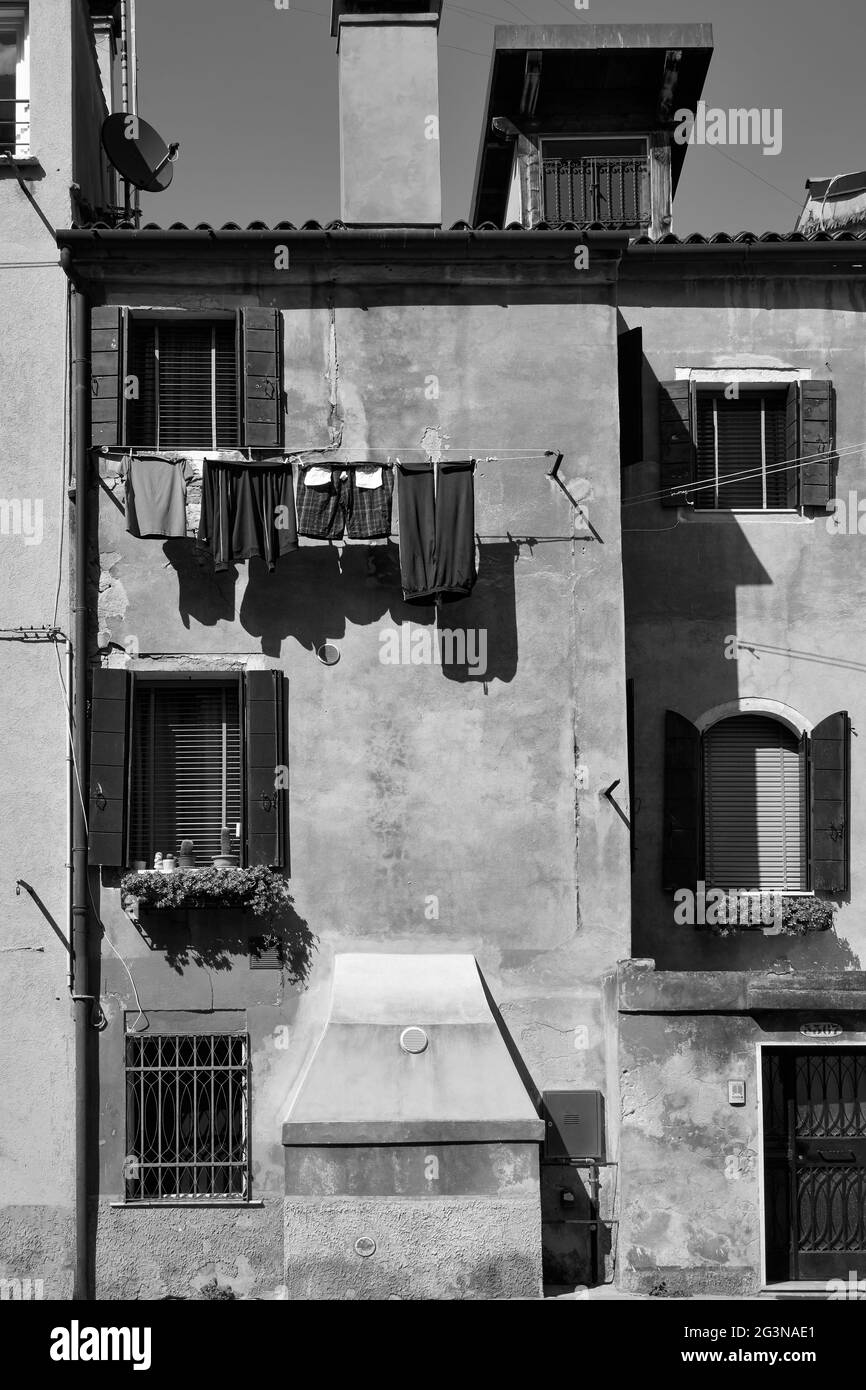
x,y
437,531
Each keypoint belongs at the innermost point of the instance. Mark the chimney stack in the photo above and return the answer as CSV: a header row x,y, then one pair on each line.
x,y
389,112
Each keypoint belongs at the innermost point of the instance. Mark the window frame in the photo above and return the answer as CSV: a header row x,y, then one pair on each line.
x,y
751,389
245,1068
183,317
167,679
17,18
803,756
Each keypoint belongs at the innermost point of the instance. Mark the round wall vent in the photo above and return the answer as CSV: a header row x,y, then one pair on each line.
x,y
413,1040
328,654
365,1246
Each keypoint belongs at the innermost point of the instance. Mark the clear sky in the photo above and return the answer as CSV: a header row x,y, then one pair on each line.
x,y
250,91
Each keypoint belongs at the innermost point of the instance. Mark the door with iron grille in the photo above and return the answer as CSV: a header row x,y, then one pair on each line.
x,y
815,1162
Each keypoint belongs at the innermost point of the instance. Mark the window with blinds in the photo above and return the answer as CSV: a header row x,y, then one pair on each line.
x,y
185,774
754,805
187,381
740,446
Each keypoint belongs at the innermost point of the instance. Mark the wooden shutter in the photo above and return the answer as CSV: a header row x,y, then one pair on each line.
x,y
629,346
754,805
816,437
109,739
830,798
681,843
792,444
676,445
185,767
266,806
261,377
107,325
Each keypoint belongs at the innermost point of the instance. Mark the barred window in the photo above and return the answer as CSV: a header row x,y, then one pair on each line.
x,y
187,1117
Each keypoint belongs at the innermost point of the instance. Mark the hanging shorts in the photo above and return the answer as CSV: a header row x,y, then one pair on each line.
x,y
355,500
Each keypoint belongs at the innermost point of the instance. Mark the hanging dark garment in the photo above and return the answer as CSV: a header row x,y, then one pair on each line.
x,y
437,531
247,510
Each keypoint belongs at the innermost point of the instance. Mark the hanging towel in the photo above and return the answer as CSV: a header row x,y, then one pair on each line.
x,y
248,510
437,531
155,494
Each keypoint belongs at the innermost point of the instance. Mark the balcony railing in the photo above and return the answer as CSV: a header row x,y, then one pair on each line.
x,y
15,126
611,190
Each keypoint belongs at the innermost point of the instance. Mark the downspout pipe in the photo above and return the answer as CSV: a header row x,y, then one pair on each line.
x,y
82,1000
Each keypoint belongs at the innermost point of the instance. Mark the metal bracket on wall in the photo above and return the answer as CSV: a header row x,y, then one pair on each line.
x,y
553,474
608,792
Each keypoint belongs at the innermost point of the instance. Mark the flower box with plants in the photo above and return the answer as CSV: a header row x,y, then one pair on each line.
x,y
261,890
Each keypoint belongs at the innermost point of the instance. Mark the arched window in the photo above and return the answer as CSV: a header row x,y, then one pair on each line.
x,y
754,805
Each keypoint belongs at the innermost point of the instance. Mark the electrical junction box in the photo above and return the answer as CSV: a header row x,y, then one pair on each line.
x,y
573,1124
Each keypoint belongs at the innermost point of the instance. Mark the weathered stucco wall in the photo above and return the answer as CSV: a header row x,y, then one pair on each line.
x,y
430,809
785,586
692,1202
36,1078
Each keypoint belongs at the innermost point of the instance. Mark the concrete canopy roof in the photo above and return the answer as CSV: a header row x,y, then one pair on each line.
x,y
591,78
363,1086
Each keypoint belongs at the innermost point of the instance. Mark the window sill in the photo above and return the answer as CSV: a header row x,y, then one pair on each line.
x,y
20,161
787,517
190,1205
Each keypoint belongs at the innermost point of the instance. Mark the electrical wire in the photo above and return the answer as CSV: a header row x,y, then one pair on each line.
x,y
69,730
133,1028
801,461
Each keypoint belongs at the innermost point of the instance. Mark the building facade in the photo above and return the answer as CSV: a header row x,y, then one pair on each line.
x,y
429,1003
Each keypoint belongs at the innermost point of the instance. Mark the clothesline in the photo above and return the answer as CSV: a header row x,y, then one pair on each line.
x,y
392,453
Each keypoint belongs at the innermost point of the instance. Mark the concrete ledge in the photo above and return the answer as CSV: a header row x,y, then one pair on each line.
x,y
306,1133
645,990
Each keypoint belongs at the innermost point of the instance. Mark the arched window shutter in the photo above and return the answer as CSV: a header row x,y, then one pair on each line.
x,y
830,801
681,846
267,797
109,748
676,443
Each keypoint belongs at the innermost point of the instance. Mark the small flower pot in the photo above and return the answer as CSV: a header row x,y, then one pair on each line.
x,y
225,861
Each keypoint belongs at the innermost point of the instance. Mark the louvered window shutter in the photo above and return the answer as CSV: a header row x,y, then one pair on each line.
x,y
185,768
754,805
676,446
261,378
109,729
792,445
106,374
187,384
681,842
266,804
830,796
816,438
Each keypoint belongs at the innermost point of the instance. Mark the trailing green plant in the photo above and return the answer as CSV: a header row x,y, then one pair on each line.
x,y
261,889
803,915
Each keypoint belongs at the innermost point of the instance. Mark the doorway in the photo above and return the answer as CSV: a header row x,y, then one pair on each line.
x,y
814,1103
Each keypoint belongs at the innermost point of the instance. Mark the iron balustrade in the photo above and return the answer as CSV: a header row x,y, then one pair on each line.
x,y
607,189
14,126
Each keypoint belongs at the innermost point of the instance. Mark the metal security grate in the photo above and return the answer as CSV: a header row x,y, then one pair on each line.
x,y
14,124
187,1117
610,190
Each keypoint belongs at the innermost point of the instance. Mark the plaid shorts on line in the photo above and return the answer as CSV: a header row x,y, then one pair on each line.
x,y
325,511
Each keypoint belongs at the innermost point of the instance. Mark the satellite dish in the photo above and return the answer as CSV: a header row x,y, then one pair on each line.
x,y
137,152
